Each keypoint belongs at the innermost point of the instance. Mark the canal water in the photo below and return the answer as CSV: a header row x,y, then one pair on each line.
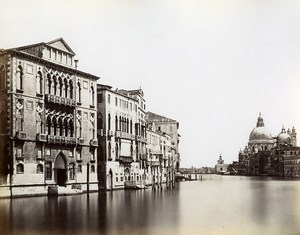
x,y
216,205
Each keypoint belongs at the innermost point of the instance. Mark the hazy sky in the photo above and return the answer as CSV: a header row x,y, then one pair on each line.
x,y
212,65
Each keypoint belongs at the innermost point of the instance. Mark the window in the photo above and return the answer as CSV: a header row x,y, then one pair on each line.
x,y
78,151
79,169
92,151
117,179
39,169
48,168
20,78
19,152
92,169
72,171
117,151
78,92
108,98
116,101
39,83
71,89
20,168
39,152
92,96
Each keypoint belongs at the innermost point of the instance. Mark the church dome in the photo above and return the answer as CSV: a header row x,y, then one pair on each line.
x,y
284,137
260,133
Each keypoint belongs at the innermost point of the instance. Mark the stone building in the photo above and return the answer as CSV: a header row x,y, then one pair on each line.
x,y
221,167
170,127
122,137
48,120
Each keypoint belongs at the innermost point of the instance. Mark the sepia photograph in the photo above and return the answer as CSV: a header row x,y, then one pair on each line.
x,y
149,117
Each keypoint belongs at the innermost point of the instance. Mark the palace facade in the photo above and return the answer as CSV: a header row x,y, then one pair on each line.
x,y
48,120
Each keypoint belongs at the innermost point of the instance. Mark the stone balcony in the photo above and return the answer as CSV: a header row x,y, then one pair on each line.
x,y
52,139
60,100
21,135
41,137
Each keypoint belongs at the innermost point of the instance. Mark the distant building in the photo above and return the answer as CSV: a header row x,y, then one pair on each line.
x,y
48,120
268,155
170,127
220,167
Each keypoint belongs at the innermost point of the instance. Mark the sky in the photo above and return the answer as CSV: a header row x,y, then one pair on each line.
x,y
210,65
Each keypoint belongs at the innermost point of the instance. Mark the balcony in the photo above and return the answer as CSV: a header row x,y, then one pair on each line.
x,y
80,141
71,140
126,160
60,100
41,137
94,142
63,140
21,135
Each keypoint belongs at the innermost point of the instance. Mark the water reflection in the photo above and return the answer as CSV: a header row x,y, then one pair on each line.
x,y
217,205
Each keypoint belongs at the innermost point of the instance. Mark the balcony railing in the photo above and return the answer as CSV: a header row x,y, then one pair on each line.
x,y
61,100
126,159
63,140
21,135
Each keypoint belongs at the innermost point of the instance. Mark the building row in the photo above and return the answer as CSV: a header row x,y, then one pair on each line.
x,y
60,129
269,155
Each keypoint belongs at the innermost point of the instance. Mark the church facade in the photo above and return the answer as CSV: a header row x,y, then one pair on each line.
x,y
48,120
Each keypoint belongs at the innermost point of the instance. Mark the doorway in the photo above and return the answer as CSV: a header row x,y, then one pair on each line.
x,y
60,171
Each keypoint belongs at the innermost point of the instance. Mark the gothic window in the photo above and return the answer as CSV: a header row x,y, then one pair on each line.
x,y
39,169
54,85
60,126
78,92
71,89
60,86
66,88
109,150
48,169
20,168
117,151
71,126
66,127
49,83
20,78
49,125
39,83
72,171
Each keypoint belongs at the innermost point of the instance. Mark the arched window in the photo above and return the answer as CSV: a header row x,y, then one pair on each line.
x,y
48,127
66,127
109,151
39,169
71,89
54,85
79,169
92,169
60,126
120,123
72,171
108,126
127,125
20,168
66,88
54,126
117,151
39,83
116,122
60,85
130,126
49,83
71,126
78,92
20,78
92,96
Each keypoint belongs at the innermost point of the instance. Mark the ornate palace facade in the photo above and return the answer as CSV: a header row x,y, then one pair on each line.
x,y
48,120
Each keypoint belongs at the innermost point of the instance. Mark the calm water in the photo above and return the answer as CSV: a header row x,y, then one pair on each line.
x,y
217,205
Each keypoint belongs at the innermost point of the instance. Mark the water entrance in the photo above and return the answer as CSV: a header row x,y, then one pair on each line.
x,y
60,172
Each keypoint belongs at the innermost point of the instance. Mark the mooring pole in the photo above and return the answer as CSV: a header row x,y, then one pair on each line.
x,y
88,178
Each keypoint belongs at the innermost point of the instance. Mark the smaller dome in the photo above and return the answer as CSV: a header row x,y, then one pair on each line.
x,y
283,137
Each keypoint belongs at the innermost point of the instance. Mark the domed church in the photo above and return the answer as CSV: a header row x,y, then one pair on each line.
x,y
260,138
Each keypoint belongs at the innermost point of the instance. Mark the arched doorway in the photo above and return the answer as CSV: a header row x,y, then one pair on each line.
x,y
60,171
